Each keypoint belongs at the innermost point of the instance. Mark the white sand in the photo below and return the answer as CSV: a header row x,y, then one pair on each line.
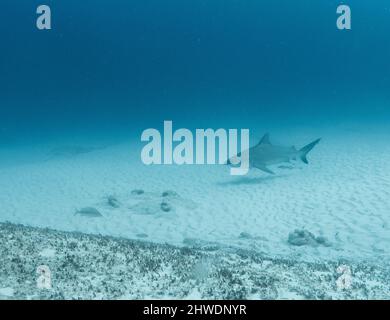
x,y
344,195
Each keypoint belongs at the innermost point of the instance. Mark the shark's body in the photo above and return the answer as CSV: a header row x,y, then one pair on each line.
x,y
265,154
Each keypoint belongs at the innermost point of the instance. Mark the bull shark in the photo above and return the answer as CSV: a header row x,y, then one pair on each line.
x,y
264,154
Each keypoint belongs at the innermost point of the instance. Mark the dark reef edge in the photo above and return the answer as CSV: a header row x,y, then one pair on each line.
x,y
85,266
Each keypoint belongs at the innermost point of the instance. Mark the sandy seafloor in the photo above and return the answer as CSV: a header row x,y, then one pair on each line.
x,y
343,196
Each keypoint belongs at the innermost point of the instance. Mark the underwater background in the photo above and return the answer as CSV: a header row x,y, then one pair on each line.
x,y
75,100
121,66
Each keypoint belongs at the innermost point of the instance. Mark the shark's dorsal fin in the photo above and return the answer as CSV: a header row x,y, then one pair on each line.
x,y
265,139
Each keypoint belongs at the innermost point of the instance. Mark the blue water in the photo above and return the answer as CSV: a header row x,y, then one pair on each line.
x,y
122,66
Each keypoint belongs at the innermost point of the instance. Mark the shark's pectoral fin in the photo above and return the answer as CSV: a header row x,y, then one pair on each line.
x,y
264,168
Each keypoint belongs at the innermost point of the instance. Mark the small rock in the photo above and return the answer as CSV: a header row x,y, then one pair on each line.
x,y
245,235
166,207
142,235
169,193
302,238
137,192
89,212
113,202
323,241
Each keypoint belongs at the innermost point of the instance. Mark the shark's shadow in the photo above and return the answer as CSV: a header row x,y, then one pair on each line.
x,y
245,180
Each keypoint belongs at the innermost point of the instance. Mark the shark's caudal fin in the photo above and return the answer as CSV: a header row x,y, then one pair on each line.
x,y
305,150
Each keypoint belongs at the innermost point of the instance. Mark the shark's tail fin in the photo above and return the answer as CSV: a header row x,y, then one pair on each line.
x,y
305,150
